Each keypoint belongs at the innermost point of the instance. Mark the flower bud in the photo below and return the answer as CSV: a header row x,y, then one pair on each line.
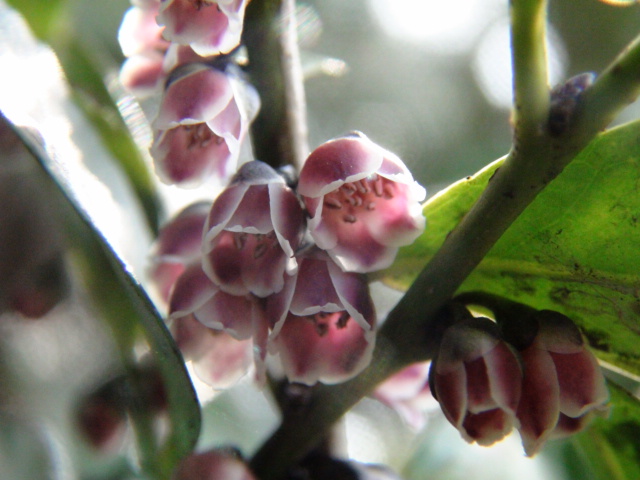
x,y
563,385
477,378
220,464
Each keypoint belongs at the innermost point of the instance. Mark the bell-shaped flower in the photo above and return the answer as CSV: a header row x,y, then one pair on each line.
x,y
241,316
219,464
203,119
209,27
409,394
323,322
218,359
363,202
252,233
477,379
563,385
179,244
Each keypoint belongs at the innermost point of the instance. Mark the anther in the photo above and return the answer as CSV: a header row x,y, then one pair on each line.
x,y
349,218
333,203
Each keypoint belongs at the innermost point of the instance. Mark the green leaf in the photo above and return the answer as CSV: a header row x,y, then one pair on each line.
x,y
608,448
127,309
573,250
86,68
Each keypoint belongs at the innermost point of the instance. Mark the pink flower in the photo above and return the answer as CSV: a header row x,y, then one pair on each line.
x,y
241,316
252,233
209,27
218,359
363,202
408,393
563,385
203,119
477,379
323,322
179,244
213,465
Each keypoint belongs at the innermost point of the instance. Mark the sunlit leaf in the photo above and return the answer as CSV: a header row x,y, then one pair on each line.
x,y
574,250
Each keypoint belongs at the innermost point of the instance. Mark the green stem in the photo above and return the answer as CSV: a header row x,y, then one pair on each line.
x,y
279,132
411,331
529,59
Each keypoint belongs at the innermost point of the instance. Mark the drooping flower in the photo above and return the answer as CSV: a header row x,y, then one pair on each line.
x,y
252,233
408,393
563,385
363,202
203,119
219,464
209,27
179,244
218,359
323,322
241,316
477,379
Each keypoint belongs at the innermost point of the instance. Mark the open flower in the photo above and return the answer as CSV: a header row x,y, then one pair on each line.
x,y
179,244
203,118
477,379
209,27
252,233
408,393
363,202
563,385
323,322
241,316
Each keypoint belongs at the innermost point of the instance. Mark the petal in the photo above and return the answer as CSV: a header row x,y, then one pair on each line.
x,y
192,290
582,385
287,217
225,361
479,398
188,154
451,392
333,355
314,291
557,333
225,262
336,162
230,313
505,378
139,31
197,96
222,210
142,74
466,341
487,427
539,406
353,291
181,237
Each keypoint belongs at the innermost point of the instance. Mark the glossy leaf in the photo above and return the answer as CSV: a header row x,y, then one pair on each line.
x,y
573,250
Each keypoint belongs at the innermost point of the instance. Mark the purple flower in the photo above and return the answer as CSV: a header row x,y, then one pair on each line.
x,y
242,317
477,379
217,464
408,393
218,359
179,244
203,118
252,233
363,202
563,385
209,27
323,322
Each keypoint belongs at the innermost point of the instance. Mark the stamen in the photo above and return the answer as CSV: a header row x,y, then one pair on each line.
x,y
388,191
377,187
260,250
333,203
362,186
343,319
349,218
348,188
239,240
371,206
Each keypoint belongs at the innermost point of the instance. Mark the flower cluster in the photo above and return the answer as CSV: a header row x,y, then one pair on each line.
x,y
540,379
176,48
283,270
